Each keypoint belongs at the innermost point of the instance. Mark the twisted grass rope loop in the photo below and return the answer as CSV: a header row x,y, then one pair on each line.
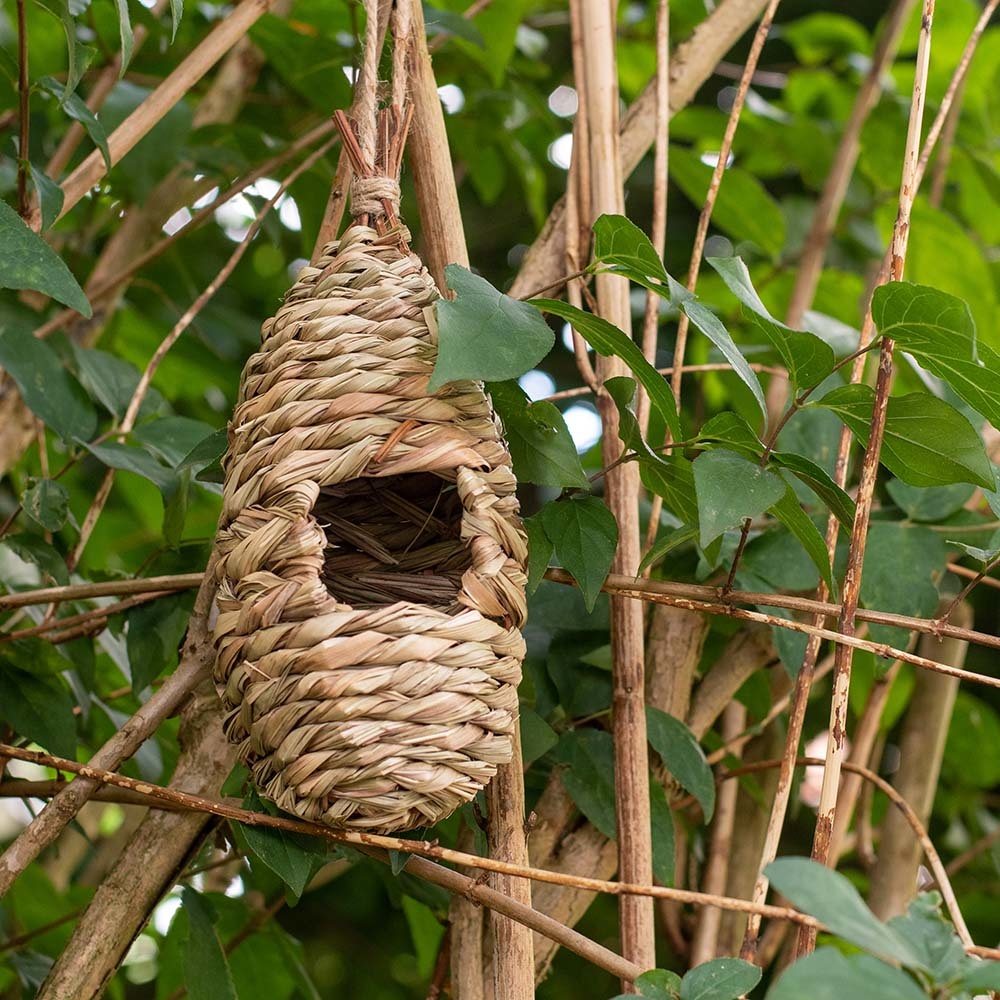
x,y
371,573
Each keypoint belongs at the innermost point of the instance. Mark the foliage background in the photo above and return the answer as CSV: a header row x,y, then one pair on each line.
x,y
368,932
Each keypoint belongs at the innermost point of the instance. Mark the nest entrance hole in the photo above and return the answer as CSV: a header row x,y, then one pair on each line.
x,y
393,539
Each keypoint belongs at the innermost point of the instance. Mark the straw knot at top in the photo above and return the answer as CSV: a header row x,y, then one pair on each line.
x,y
371,196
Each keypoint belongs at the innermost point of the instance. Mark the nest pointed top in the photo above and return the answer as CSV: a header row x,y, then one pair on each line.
x,y
371,579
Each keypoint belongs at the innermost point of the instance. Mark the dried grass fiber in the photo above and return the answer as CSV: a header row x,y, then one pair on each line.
x,y
371,573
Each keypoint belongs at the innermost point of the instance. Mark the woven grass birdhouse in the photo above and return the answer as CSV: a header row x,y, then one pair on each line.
x,y
370,576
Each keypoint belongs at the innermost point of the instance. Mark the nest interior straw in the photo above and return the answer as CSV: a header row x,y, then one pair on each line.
x,y
371,572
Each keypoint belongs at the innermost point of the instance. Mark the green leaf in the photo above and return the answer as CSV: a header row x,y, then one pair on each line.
x,y
788,511
609,341
620,241
981,977
78,54
729,489
541,446
537,736
820,482
982,555
484,334
125,34
173,438
829,897
673,479
207,452
927,441
48,389
35,550
828,975
622,391
38,707
77,109
938,330
128,459
176,13
931,936
539,551
46,502
662,822
206,969
108,379
589,778
682,756
713,328
293,857
50,196
155,631
657,984
584,535
425,932
808,359
743,208
665,545
449,22
931,504
28,261
732,430
721,979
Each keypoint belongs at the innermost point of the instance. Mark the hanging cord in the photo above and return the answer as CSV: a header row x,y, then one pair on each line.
x,y
375,139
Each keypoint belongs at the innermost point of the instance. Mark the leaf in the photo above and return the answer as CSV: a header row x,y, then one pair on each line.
x,y
78,54
484,334
38,707
931,936
207,452
622,391
28,261
662,823
829,897
931,504
927,441
795,519
617,240
425,932
537,736
721,979
589,778
808,359
291,856
673,479
37,551
50,196
46,502
609,341
173,438
665,545
176,13
729,489
539,551
448,22
732,430
983,976
155,631
541,446
109,379
712,327
820,482
657,984
828,975
584,535
48,389
125,34
206,969
743,208
128,459
981,555
938,330
77,109
682,756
